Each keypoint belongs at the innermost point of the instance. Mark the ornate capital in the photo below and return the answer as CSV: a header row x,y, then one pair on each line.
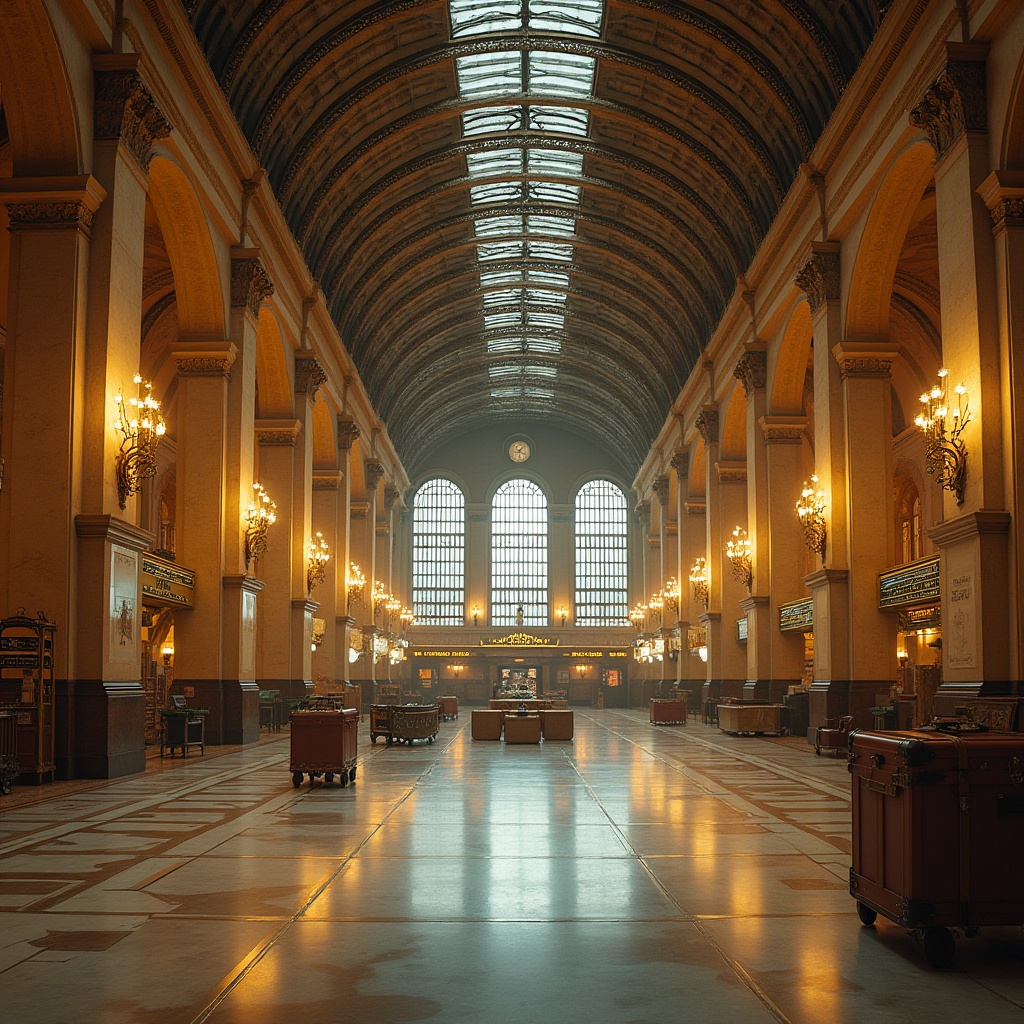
x,y
955,104
707,425
818,278
660,487
752,369
43,216
309,375
125,110
391,495
643,513
864,360
348,433
206,359
374,474
731,472
277,433
327,482
680,462
1003,194
250,283
777,430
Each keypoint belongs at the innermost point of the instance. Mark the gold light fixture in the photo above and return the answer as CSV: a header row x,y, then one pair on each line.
x,y
637,616
563,613
700,582
318,554
945,452
354,583
141,426
380,598
739,553
811,510
319,632
407,618
259,517
581,670
670,596
475,613
654,607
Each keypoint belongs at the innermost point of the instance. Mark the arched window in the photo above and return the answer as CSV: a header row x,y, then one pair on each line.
x,y
601,555
908,519
519,555
439,554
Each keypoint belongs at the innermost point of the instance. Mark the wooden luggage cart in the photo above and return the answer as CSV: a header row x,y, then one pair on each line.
x,y
938,826
404,722
323,742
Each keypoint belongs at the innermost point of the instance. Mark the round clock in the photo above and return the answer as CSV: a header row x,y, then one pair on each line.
x,y
518,451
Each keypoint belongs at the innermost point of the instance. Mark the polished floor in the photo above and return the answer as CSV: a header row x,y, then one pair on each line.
x,y
638,874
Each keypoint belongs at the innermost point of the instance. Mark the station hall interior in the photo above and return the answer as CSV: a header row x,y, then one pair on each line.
x,y
652,362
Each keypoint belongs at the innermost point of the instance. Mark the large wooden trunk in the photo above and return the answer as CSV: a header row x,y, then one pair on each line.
x,y
324,743
668,711
938,829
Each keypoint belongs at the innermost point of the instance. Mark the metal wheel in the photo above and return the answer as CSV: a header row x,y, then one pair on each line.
x,y
6,785
939,947
343,777
866,914
352,775
296,779
328,776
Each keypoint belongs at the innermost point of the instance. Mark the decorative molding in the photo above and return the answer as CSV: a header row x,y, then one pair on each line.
x,y
250,282
126,110
1008,212
348,433
819,278
391,495
731,472
277,433
680,462
954,104
752,369
205,364
707,425
309,375
778,430
643,513
47,215
660,488
374,474
328,483
1003,194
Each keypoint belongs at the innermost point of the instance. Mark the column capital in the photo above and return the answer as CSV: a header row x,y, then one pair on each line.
x,y
819,277
680,462
695,508
52,203
660,488
250,282
752,369
309,375
277,432
328,480
731,472
643,513
955,103
124,108
205,358
1003,194
865,358
707,424
348,433
391,495
783,429
374,474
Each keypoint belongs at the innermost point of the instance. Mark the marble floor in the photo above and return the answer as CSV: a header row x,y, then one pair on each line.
x,y
638,874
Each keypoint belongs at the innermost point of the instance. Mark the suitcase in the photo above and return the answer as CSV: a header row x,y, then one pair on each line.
x,y
938,830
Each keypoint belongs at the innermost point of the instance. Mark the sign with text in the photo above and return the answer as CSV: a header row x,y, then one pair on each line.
x,y
909,584
165,583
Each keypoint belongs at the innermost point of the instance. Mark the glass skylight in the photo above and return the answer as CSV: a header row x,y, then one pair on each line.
x,y
542,224
519,370
493,278
531,276
484,75
486,17
551,278
504,224
544,298
496,192
511,343
543,393
560,74
502,346
495,161
538,249
552,321
493,321
542,346
505,297
567,120
580,17
554,192
492,120
508,250
548,73
554,161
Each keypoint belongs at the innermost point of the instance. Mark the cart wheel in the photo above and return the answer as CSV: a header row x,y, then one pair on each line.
x,y
430,739
328,776
296,779
817,751
373,737
343,777
866,914
939,947
6,785
352,775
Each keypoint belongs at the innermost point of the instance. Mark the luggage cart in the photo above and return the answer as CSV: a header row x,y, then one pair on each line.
x,y
938,826
323,743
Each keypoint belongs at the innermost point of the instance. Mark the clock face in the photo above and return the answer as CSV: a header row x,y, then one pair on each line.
x,y
518,451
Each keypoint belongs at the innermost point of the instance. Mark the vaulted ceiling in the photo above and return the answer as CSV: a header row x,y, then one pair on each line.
x,y
530,210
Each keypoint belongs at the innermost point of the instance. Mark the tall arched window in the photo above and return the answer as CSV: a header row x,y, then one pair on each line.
x,y
439,554
519,555
601,555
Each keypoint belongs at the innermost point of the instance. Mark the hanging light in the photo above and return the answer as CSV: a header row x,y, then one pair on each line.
x,y
317,556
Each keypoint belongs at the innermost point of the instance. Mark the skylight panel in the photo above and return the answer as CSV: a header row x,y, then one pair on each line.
x,y
504,370
542,224
494,321
493,120
554,192
505,297
503,346
539,249
506,392
541,393
554,161
484,75
542,346
556,74
494,278
580,17
567,120
507,250
496,161
496,192
551,278
540,297
537,370
483,17
551,321
505,224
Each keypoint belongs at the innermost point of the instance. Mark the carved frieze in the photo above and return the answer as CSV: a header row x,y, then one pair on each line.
x,y
954,104
731,473
204,366
48,215
309,375
707,425
250,283
1008,212
818,278
374,473
125,110
752,369
348,433
863,366
277,433
327,483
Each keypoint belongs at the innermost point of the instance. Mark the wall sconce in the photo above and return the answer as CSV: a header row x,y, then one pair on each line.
x,y
259,517
168,653
317,557
407,618
380,598
319,632
563,613
811,510
457,669
670,596
581,670
945,453
354,583
654,606
141,426
475,612
637,616
739,553
700,582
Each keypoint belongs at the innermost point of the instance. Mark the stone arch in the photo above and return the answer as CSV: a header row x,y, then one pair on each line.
x,y
908,510
186,233
273,381
890,216
325,445
732,425
1012,146
37,91
786,393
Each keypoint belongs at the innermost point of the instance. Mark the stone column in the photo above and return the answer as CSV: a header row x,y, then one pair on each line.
x,y
373,473
667,555
1003,192
326,485
347,605
973,538
478,548
561,568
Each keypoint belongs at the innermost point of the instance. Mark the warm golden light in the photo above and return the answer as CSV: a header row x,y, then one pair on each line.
x,y
700,581
740,553
259,516
317,556
945,452
141,426
811,511
354,583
